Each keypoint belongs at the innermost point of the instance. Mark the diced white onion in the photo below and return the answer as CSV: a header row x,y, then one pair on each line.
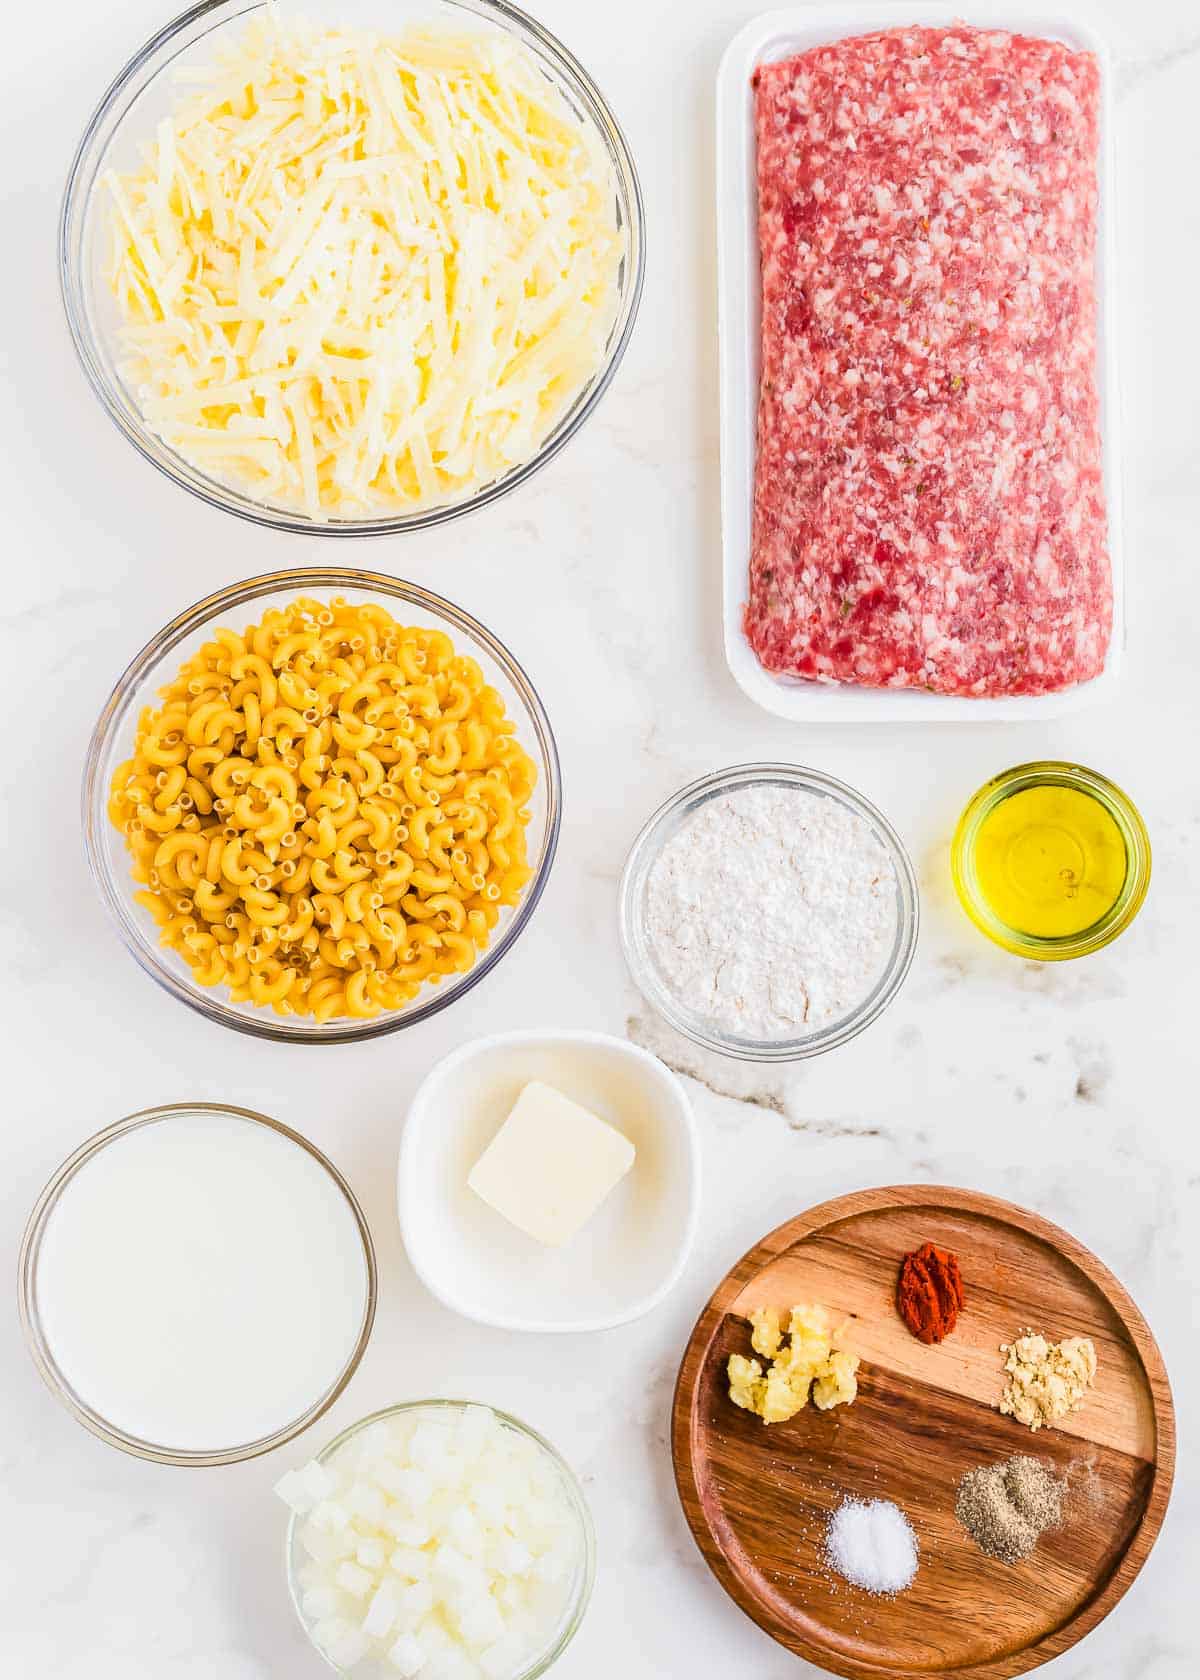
x,y
442,1548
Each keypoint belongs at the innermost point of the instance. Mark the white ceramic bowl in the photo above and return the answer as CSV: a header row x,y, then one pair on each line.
x,y
632,1251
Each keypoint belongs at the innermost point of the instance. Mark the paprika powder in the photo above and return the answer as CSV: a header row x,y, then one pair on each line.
x,y
929,1295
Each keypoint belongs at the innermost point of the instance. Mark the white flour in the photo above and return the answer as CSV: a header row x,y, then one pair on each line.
x,y
772,911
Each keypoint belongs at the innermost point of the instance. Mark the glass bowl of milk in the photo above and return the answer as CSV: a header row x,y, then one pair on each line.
x,y
197,1284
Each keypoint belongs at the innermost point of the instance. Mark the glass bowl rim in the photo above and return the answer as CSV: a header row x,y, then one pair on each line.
x,y
578,1500
81,182
305,580
1044,772
652,835
47,1366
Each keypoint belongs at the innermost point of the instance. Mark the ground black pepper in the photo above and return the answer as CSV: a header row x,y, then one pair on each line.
x,y
1006,1507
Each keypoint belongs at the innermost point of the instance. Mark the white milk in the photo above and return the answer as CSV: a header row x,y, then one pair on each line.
x,y
201,1282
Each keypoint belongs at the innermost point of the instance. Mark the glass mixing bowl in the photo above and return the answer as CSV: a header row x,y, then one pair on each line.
x,y
159,662
29,1297
639,956
144,92
584,1573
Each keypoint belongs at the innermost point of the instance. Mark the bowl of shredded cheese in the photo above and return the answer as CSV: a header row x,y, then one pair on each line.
x,y
351,277
321,805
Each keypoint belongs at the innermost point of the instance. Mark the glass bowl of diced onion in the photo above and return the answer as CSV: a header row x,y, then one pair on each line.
x,y
122,136
159,663
357,1504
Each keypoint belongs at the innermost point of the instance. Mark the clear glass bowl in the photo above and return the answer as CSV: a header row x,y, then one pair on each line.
x,y
1122,810
585,1565
159,662
668,819
43,1357
143,93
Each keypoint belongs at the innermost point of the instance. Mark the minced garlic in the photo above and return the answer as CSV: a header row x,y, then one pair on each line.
x,y
1046,1379
810,1366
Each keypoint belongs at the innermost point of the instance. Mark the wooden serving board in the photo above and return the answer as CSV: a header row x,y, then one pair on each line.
x,y
758,1497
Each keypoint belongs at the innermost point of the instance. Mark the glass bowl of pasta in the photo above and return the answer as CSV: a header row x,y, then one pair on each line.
x,y
355,279
322,804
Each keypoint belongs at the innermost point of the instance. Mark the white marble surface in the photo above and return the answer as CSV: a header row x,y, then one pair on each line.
x,y
1071,1089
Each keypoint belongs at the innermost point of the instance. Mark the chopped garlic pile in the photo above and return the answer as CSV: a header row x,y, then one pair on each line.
x,y
438,1543
362,275
812,1365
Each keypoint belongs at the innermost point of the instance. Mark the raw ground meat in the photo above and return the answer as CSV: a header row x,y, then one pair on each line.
x,y
929,499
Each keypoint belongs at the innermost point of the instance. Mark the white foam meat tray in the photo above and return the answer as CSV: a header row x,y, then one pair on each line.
x,y
776,35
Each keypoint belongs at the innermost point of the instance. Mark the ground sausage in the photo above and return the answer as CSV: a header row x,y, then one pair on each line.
x,y
929,500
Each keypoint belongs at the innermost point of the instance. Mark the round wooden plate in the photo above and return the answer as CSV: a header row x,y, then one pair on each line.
x,y
757,1497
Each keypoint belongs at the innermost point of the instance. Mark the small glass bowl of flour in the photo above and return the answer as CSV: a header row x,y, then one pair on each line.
x,y
769,912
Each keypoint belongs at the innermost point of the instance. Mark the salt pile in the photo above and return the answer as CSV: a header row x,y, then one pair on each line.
x,y
871,1543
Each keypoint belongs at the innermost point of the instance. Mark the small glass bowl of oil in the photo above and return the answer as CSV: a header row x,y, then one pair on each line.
x,y
1051,860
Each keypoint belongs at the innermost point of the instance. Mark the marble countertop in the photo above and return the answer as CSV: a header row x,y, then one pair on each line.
x,y
1070,1089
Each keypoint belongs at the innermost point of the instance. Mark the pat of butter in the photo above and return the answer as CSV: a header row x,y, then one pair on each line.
x,y
550,1165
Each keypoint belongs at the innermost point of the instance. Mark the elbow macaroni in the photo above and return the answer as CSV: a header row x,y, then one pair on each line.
x,y
326,811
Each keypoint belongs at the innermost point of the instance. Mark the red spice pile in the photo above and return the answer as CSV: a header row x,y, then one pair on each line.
x,y
929,1295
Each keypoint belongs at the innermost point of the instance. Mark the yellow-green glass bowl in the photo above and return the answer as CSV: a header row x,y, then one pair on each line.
x,y
1122,810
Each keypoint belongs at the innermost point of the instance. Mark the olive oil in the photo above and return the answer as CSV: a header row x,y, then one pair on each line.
x,y
1050,861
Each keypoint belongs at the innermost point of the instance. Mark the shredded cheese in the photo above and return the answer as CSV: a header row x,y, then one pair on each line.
x,y
361,275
